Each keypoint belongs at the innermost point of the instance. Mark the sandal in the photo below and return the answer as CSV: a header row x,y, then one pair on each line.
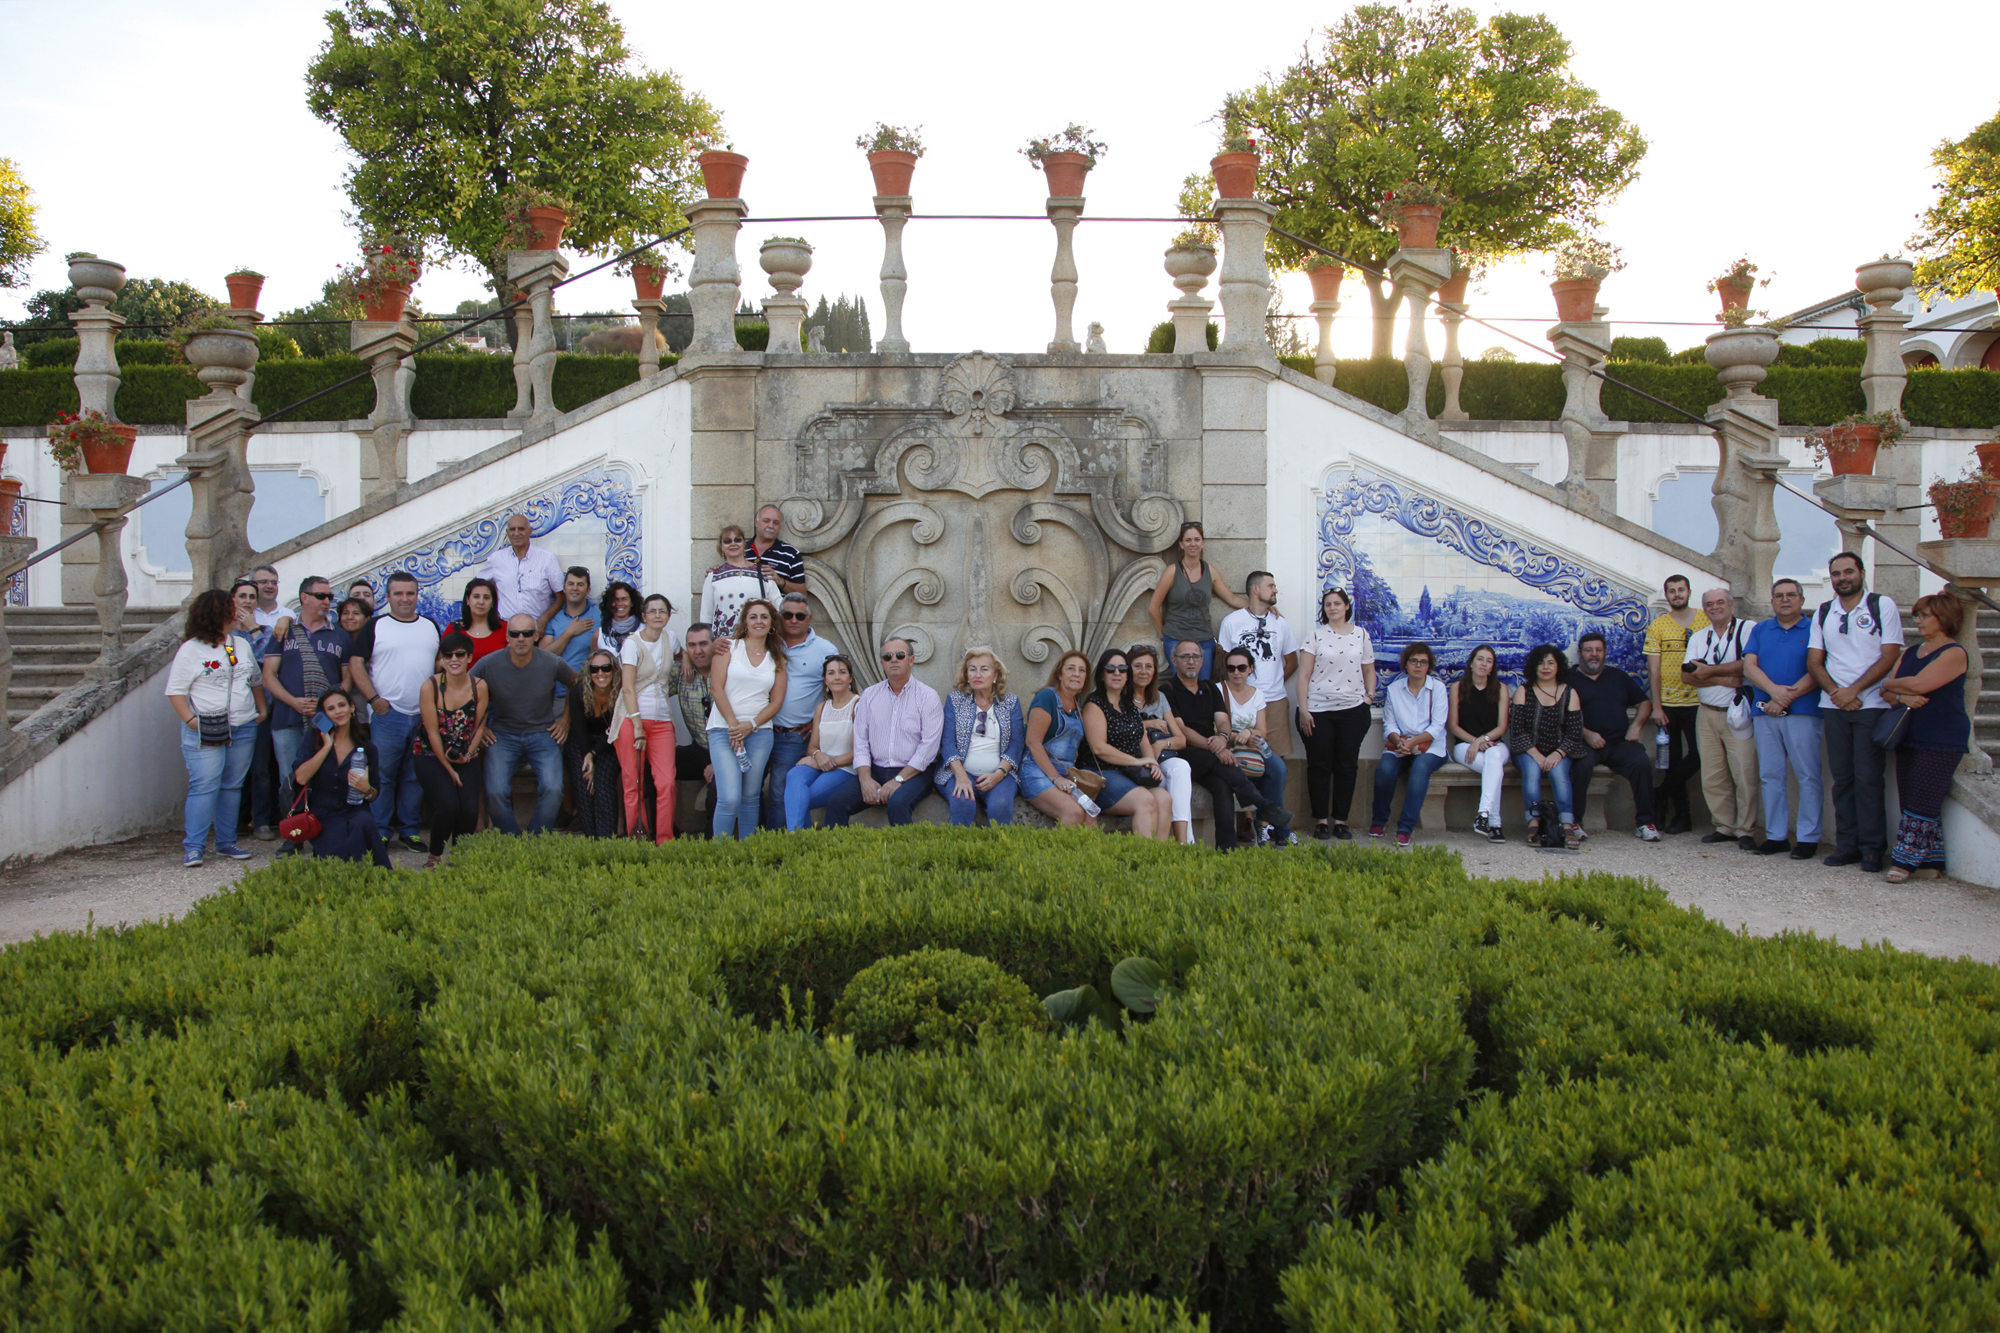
x,y
1897,875
1572,836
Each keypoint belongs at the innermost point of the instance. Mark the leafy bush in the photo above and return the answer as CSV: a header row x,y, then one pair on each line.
x,y
1823,352
1952,398
37,397
1640,349
62,352
933,999
1161,339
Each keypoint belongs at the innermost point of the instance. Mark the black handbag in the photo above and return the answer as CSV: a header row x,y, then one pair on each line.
x,y
1138,775
1892,727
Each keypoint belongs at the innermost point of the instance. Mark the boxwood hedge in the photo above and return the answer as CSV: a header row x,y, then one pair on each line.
x,y
591,1085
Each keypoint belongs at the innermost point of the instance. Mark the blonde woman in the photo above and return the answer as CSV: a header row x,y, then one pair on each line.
x,y
727,586
588,747
983,742
747,686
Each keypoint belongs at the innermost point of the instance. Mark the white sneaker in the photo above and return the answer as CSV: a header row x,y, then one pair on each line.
x,y
1647,833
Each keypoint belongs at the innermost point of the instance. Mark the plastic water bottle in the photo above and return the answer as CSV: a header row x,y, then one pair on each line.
x,y
1662,762
357,763
1089,806
742,757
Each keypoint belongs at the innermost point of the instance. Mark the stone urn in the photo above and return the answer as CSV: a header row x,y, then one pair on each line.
x,y
1576,298
722,173
892,169
1740,356
244,289
222,358
1235,175
1189,267
1325,280
786,262
96,280
1066,172
648,280
1884,275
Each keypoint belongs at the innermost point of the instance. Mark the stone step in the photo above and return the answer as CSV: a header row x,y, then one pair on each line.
x,y
83,616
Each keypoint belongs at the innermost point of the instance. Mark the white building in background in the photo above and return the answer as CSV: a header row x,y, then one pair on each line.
x,y
1956,335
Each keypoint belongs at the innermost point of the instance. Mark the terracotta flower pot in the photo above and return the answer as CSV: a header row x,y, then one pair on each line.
x,y
1850,449
1734,296
1576,298
1066,172
722,173
1325,281
106,459
1973,524
10,500
1235,175
547,225
386,307
1453,289
244,289
1417,226
892,168
647,281
1989,458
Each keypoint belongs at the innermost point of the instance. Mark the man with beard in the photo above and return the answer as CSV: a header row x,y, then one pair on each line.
x,y
688,684
1856,639
1614,742
1674,701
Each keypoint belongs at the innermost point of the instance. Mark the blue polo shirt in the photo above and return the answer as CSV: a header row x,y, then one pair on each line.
x,y
802,684
1781,655
577,651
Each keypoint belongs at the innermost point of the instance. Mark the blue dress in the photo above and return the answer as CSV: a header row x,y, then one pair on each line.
x,y
1064,735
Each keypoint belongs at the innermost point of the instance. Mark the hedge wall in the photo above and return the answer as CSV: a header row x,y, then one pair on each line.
x,y
587,1085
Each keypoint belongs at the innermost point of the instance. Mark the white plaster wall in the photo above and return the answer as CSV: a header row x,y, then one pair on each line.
x,y
1971,848
120,776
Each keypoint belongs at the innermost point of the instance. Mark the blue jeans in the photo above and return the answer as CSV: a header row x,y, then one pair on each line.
x,y
510,750
808,789
1272,785
1531,786
738,794
998,803
901,807
1789,743
215,786
787,748
286,742
1207,655
1389,767
399,804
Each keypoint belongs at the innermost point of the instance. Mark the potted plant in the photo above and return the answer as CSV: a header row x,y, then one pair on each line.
x,y
649,278
892,156
1325,273
1581,266
89,443
1416,208
1964,507
1850,444
245,285
1989,457
389,267
535,218
1065,158
722,172
1452,290
10,502
1235,167
1735,285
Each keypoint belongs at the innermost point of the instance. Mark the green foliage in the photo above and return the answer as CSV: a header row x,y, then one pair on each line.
x,y
151,307
753,335
1824,352
446,104
1958,246
933,1000
1161,339
131,352
36,397
20,242
321,339
845,322
1935,397
1640,349
876,1307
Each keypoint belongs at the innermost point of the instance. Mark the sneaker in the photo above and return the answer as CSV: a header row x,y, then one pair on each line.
x,y
1647,833
265,833
1402,842
1581,836
410,842
1322,832
233,852
1484,828
193,861
1280,837
1374,830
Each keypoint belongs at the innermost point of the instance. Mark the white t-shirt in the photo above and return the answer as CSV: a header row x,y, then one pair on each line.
x,y
1269,638
527,584
211,682
654,705
1853,642
1336,681
1242,713
400,657
1707,647
982,753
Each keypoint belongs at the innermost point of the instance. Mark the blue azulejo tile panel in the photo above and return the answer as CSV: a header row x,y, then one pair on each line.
x,y
592,520
1419,568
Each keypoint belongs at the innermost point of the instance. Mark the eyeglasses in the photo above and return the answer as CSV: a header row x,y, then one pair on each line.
x,y
894,657
323,596
1116,668
457,653
796,615
602,671
732,541
979,727
524,633
1236,668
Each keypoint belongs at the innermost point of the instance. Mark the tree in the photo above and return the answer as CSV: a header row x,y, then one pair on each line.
x,y
1485,110
1960,241
320,329
845,322
151,307
449,105
19,241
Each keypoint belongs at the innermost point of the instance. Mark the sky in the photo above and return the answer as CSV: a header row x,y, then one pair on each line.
x,y
176,140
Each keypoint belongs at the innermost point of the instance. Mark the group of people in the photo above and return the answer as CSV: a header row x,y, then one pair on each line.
x,y
366,714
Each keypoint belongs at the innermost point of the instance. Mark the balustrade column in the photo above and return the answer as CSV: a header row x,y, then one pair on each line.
x,y
524,333
1416,274
14,553
384,346
247,319
1064,212
894,211
1245,281
97,282
1189,267
649,309
786,264
1882,284
218,427
536,272
715,282
105,498
1745,490
1584,346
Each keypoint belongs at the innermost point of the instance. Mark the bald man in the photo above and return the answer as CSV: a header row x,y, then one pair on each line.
x,y
529,579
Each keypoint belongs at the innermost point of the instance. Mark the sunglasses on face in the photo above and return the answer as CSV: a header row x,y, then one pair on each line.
x,y
323,596
1116,668
602,671
523,633
894,657
796,615
732,541
455,654
1235,667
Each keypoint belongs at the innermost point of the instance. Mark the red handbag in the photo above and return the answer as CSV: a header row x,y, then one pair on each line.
x,y
300,825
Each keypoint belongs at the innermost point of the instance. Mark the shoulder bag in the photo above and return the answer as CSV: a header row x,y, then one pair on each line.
x,y
301,825
1892,727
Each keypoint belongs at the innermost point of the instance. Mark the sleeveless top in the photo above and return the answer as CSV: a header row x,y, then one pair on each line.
x,y
1124,728
1940,724
836,729
749,686
1477,713
454,724
1184,614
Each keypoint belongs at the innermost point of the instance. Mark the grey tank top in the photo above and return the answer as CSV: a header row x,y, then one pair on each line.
x,y
1184,615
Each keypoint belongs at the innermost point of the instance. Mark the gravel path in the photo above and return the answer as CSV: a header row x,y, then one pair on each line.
x,y
142,880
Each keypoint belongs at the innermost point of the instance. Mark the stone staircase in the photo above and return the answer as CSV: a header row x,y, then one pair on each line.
x,y
53,645
1986,715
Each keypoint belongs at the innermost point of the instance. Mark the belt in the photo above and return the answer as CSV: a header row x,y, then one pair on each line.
x,y
794,731
1715,708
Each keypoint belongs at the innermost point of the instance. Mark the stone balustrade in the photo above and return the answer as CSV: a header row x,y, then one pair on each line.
x,y
97,282
1416,275
385,347
1584,346
1064,212
535,272
14,553
894,211
1745,488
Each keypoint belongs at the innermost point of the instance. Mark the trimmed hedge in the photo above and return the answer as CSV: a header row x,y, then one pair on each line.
x,y
587,1084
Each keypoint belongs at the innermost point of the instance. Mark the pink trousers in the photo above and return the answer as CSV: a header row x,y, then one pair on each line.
x,y
659,754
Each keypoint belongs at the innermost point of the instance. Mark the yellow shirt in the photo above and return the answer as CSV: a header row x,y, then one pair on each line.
x,y
1667,640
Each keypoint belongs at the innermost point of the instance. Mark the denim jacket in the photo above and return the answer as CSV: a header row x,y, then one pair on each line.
x,y
960,715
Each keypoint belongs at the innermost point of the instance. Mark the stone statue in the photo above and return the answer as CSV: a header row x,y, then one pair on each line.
x,y
9,358
816,338
1096,342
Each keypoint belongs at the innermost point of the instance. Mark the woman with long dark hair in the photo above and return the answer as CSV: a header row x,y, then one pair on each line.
x,y
1478,729
1179,608
589,749
1115,727
1545,731
452,709
338,789
1336,678
1930,681
215,687
1168,737
479,618
619,616
827,772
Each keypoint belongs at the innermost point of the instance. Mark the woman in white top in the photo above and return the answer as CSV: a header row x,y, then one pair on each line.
x,y
1478,729
1416,713
642,722
1168,737
1336,678
1247,724
728,586
827,771
747,687
215,686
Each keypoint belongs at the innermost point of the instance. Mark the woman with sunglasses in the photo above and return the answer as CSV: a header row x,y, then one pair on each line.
x,y
747,687
452,707
983,741
827,772
726,587
1115,727
643,726
1247,724
216,690
1930,681
479,618
589,751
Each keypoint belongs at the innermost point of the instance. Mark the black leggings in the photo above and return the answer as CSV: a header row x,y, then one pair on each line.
x,y
1333,757
454,805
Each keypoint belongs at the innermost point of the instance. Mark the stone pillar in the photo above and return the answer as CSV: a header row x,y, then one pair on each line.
x,y
97,282
1416,274
384,460
247,319
1246,278
1064,212
105,498
14,553
1971,565
1453,367
786,263
715,282
1584,345
1745,492
535,272
1189,268
894,210
524,392
649,309
1882,284
1857,502
218,427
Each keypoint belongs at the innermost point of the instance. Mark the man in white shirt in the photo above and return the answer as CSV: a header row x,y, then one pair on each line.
x,y
1267,636
1856,640
529,579
1714,666
394,654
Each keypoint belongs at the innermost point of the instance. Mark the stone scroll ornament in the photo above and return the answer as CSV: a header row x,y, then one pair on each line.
x,y
858,471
